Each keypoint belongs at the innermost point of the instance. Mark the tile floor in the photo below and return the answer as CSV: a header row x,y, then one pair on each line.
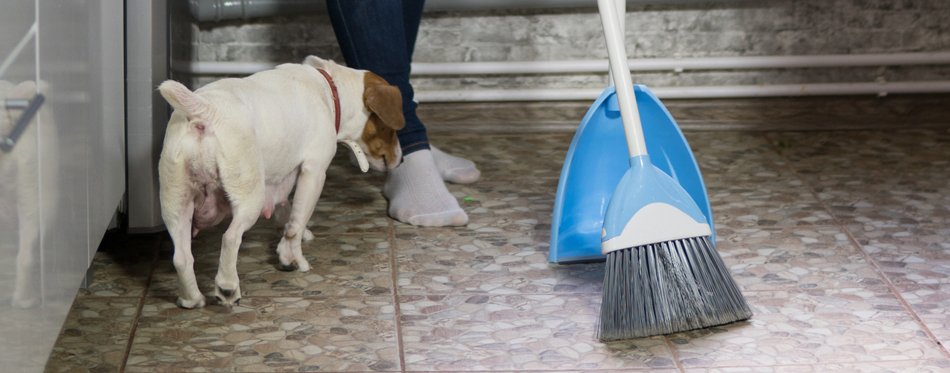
x,y
839,240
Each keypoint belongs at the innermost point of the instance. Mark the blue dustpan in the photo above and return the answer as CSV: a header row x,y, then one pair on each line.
x,y
598,158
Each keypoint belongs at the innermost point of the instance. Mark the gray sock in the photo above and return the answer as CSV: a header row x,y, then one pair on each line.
x,y
418,196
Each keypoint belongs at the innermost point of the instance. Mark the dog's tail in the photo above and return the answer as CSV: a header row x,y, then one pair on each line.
x,y
189,103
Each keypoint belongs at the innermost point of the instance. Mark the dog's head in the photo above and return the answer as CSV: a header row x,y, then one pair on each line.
x,y
381,116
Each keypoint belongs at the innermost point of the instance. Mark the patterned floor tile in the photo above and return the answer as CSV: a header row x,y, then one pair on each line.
x,y
886,201
484,298
443,261
734,154
763,201
749,184
917,366
864,152
883,178
815,326
794,258
653,370
516,332
516,206
342,265
95,335
908,255
351,201
510,157
932,305
122,265
266,335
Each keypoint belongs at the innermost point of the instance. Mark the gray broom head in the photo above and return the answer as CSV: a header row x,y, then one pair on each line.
x,y
666,288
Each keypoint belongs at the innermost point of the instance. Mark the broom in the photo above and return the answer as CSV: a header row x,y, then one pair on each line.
x,y
663,273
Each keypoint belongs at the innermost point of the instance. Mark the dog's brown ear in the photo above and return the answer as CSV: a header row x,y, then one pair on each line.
x,y
182,98
385,103
383,100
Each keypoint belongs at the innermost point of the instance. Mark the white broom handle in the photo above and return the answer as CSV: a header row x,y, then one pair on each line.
x,y
621,11
618,67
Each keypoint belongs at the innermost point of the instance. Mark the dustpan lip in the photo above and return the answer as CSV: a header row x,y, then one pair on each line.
x,y
565,171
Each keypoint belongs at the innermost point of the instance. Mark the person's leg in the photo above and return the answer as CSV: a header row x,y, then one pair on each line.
x,y
413,137
369,39
373,36
451,168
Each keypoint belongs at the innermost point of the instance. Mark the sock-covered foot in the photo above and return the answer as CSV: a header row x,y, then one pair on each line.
x,y
454,169
418,196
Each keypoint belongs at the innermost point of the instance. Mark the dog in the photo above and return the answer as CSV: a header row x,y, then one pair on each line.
x,y
237,147
22,211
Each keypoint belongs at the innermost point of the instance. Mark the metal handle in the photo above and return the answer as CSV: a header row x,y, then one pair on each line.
x,y
29,107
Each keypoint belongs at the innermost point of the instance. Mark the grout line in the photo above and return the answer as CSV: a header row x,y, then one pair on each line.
x,y
673,354
397,312
138,311
867,257
896,293
556,370
553,370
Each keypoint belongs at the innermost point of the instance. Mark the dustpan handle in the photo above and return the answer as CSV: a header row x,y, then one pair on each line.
x,y
621,73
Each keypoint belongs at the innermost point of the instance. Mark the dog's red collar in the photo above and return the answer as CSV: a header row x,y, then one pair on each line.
x,y
336,98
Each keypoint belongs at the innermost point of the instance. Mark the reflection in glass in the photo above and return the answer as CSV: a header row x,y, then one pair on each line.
x,y
24,208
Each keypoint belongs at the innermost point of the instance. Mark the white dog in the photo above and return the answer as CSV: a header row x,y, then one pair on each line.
x,y
21,170
239,146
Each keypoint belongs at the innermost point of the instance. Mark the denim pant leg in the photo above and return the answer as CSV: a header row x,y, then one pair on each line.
x,y
380,36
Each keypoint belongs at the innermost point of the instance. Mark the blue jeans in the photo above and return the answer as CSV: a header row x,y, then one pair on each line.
x,y
380,36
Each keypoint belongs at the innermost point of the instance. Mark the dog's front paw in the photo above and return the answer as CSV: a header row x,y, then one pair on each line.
x,y
295,265
288,267
291,258
189,304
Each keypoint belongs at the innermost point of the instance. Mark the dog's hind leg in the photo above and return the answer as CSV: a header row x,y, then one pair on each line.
x,y
26,292
309,186
227,283
178,208
188,294
243,183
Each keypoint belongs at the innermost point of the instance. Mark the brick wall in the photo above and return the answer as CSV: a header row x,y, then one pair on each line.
x,y
749,28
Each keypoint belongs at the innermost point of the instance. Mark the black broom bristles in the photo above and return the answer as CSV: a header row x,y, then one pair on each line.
x,y
666,288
